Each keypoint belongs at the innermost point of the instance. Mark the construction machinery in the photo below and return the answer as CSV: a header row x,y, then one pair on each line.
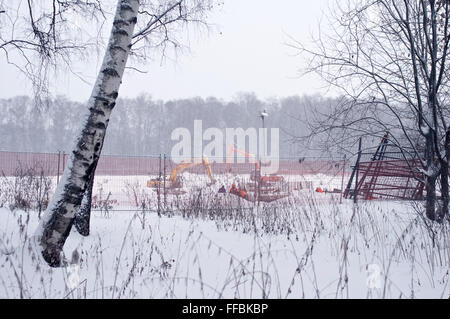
x,y
265,188
174,184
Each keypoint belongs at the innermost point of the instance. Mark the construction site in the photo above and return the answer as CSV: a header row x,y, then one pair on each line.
x,y
157,183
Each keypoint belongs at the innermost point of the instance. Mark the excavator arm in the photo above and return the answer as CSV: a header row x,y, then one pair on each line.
x,y
232,149
173,179
180,168
208,169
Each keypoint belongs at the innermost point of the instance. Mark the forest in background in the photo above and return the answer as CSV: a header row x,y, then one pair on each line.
x,y
143,126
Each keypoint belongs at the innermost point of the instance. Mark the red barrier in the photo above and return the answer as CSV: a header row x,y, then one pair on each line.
x,y
53,165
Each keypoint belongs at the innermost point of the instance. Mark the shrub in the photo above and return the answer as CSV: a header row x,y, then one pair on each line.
x,y
27,189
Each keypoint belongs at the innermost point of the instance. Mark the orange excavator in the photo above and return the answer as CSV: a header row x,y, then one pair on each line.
x,y
256,173
174,182
261,188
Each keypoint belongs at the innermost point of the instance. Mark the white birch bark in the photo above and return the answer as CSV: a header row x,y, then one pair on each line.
x,y
57,221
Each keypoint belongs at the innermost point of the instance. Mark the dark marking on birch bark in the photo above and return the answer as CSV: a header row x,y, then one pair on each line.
x,y
121,32
73,190
52,255
133,20
114,95
90,170
85,164
90,133
125,6
110,72
117,47
67,230
96,111
99,125
83,146
101,98
97,147
74,199
121,22
78,155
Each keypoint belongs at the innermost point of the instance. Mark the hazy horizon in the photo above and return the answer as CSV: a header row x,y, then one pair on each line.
x,y
244,51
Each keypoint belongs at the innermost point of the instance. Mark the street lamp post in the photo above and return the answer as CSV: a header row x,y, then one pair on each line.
x,y
263,115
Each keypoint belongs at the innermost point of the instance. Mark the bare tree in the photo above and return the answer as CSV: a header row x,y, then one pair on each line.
x,y
389,58
139,28
38,36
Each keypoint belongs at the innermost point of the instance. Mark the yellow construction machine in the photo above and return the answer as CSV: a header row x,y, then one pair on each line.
x,y
174,182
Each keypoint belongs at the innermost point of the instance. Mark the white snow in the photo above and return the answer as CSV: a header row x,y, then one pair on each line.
x,y
326,254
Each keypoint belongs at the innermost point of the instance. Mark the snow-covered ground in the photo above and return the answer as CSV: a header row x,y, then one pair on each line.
x,y
373,250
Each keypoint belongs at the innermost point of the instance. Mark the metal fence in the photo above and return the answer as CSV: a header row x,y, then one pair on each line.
x,y
155,181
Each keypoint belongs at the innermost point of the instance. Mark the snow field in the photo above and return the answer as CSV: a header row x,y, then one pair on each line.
x,y
312,251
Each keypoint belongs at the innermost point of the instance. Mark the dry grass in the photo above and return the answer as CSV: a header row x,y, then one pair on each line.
x,y
196,249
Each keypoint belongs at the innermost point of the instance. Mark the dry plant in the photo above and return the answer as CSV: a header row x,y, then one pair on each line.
x,y
27,189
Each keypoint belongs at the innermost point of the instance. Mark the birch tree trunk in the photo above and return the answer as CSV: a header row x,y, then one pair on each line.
x,y
83,215
57,221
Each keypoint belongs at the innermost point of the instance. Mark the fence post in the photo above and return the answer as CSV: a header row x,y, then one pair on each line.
x,y
159,187
165,197
259,182
343,174
355,193
254,199
57,174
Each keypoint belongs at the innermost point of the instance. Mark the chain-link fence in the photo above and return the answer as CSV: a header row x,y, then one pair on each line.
x,y
157,183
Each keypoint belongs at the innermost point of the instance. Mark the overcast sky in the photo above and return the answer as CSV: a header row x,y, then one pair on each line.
x,y
248,53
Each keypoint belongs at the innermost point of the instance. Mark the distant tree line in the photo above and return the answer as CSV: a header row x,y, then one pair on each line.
x,y
143,125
